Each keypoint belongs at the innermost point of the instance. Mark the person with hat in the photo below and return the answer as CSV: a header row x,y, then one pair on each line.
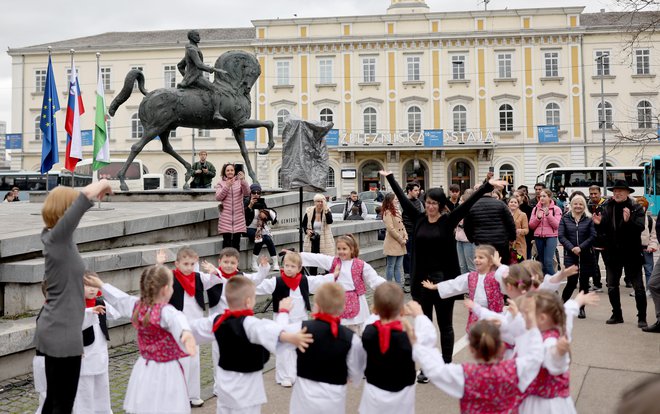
x,y
257,215
620,223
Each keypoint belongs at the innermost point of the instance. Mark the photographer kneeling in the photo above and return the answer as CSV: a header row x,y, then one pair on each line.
x,y
257,217
316,225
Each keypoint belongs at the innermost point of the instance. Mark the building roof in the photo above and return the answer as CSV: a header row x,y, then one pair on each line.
x,y
609,19
123,40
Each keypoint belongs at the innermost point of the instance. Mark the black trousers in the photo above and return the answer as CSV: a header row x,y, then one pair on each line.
x,y
62,384
444,314
615,264
572,282
231,240
596,276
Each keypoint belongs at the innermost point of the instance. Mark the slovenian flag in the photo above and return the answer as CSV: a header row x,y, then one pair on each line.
x,y
101,144
74,109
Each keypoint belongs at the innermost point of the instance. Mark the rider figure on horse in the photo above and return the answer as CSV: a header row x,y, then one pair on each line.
x,y
191,67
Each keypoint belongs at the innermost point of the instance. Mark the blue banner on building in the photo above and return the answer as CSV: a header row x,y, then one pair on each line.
x,y
250,135
332,138
433,138
87,136
14,141
548,134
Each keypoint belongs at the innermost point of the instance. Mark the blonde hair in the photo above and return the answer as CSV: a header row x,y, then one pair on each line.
x,y
388,300
581,199
56,204
520,278
184,252
535,268
293,257
349,240
237,290
486,340
321,197
488,250
329,298
152,280
550,304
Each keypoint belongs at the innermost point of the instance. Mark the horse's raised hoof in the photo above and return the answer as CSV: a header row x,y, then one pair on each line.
x,y
123,186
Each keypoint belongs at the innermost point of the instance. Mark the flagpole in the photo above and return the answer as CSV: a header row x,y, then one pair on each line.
x,y
50,52
71,51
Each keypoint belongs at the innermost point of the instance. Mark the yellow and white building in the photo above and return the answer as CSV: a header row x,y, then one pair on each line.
x,y
487,79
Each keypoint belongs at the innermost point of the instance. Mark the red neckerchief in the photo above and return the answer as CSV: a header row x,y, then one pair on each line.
x,y
231,314
90,303
331,319
384,333
187,282
227,275
291,282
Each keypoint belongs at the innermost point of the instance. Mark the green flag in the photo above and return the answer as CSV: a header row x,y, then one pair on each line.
x,y
101,144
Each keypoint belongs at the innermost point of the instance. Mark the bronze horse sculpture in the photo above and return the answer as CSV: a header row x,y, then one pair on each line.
x,y
165,109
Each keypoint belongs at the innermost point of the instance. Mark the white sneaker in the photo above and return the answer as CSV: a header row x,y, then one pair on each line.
x,y
276,265
196,402
286,384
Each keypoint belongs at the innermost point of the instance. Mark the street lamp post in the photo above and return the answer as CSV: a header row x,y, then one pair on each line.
x,y
603,121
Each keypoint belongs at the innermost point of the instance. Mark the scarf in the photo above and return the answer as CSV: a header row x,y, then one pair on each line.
x,y
187,282
90,303
228,275
291,282
231,314
331,319
385,332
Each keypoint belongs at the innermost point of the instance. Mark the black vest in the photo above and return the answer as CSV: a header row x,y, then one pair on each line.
x,y
177,296
282,291
395,369
88,334
325,359
237,353
215,292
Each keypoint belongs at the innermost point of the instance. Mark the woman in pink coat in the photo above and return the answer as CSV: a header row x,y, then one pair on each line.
x,y
230,191
545,223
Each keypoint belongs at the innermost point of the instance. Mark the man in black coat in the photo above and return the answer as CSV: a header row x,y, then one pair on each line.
x,y
620,225
490,222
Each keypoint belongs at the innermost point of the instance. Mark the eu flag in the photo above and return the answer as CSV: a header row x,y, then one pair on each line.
x,y
48,124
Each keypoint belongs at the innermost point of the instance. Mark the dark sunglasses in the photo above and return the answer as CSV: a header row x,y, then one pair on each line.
x,y
256,192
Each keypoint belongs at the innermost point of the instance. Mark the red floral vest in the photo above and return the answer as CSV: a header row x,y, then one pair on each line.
x,y
493,294
546,385
352,306
154,342
491,388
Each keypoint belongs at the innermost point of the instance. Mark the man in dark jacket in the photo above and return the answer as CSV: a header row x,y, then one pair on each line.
x,y
620,224
490,222
412,192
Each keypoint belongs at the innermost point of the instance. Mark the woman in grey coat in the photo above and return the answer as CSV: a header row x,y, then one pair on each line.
x,y
58,336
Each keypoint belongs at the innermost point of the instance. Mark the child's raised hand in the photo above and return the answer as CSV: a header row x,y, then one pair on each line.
x,y
286,304
337,271
207,267
300,339
497,260
189,343
569,271
513,307
161,256
469,303
587,299
563,346
264,261
99,309
93,281
429,285
413,309
528,309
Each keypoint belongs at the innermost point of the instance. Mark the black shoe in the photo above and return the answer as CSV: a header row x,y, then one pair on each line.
x,y
628,285
582,314
406,290
655,328
614,320
642,324
421,378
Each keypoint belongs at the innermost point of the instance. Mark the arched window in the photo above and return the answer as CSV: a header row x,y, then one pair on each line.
x,y
279,178
171,178
38,134
136,127
331,178
460,118
552,165
414,119
282,114
552,114
370,120
606,121
506,173
327,115
506,117
644,115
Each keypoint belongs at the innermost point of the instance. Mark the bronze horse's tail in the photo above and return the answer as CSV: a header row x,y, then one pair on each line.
x,y
125,93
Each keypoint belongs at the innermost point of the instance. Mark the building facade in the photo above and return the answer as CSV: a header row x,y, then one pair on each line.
x,y
390,83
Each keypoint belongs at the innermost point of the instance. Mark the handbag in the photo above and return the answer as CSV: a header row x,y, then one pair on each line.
x,y
515,257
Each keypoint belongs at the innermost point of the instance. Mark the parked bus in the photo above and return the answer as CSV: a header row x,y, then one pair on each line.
x,y
652,184
581,178
28,181
136,178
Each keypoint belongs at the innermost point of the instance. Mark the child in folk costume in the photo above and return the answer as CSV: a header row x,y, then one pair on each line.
x,y
333,358
245,344
353,274
390,370
291,283
484,285
489,385
157,383
93,395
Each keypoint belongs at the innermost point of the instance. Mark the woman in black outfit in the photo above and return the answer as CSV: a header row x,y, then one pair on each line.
x,y
433,237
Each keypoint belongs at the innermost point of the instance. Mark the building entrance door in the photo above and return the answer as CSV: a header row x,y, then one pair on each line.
x,y
369,175
415,172
461,173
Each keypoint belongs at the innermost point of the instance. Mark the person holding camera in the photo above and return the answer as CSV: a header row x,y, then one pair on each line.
x,y
354,201
203,172
230,191
316,224
254,206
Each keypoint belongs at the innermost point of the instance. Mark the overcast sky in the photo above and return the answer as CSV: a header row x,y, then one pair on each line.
x,y
32,22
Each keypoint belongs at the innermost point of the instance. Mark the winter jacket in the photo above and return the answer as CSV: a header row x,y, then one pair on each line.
x,y
327,242
621,238
232,216
549,224
580,233
395,236
490,222
520,244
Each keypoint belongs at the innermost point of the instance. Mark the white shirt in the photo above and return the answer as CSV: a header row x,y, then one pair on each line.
x,y
95,355
298,311
254,277
459,286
